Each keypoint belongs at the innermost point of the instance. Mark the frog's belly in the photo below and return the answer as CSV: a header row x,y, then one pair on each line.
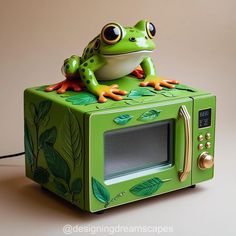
x,y
120,65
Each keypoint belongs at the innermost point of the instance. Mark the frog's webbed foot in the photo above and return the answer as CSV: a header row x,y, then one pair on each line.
x,y
158,83
61,87
109,91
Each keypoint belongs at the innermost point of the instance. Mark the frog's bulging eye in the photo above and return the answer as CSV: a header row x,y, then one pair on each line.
x,y
111,33
151,30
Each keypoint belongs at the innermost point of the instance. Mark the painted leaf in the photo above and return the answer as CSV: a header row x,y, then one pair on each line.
x,y
146,188
56,164
100,192
82,98
168,94
76,185
149,115
123,119
29,154
72,145
33,113
43,109
61,189
41,175
48,137
184,87
140,92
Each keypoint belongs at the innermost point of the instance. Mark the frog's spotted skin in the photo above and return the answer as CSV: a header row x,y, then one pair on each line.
x,y
116,52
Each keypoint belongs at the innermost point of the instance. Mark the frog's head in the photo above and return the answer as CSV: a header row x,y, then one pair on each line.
x,y
115,39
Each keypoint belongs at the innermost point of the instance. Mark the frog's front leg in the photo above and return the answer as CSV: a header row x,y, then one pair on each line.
x,y
152,79
70,71
87,70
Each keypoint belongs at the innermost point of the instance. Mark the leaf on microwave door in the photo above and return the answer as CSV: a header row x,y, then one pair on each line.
x,y
72,145
82,98
76,185
184,87
48,137
43,109
60,187
100,192
123,119
140,92
29,153
147,187
56,164
149,115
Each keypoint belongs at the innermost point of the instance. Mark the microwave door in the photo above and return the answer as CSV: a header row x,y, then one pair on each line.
x,y
154,151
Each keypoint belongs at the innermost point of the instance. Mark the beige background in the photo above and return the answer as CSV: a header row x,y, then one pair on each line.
x,y
195,45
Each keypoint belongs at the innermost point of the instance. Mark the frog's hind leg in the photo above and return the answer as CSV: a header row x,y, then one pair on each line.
x,y
61,87
138,72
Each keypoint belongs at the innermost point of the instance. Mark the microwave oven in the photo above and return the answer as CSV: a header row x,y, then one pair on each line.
x,y
99,156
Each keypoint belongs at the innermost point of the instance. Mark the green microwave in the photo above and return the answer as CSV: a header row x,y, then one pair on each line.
x,y
102,155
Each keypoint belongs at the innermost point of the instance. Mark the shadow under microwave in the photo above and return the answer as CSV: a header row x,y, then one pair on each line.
x,y
139,149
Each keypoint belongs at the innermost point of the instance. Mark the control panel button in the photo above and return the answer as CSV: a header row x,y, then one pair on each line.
x,y
205,161
208,136
200,146
208,144
200,137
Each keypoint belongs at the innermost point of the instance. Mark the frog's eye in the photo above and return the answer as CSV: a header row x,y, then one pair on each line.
x,y
151,30
111,33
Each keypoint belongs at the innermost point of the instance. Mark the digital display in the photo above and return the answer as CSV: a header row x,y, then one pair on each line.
x,y
204,118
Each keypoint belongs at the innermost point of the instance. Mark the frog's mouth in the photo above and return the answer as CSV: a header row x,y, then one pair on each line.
x,y
128,53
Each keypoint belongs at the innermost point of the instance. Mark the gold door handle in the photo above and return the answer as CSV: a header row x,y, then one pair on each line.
x,y
183,112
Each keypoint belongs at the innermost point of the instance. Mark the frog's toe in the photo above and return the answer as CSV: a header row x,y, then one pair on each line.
x,y
102,99
114,86
50,88
120,92
144,84
113,96
171,81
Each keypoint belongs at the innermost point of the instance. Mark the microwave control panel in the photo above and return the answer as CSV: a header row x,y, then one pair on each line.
x,y
203,137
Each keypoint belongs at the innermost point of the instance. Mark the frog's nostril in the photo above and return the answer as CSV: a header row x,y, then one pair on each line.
x,y
132,39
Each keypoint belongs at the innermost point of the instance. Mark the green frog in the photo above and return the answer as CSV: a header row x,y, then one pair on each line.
x,y
116,52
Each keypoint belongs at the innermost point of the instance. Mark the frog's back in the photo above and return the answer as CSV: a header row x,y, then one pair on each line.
x,y
89,50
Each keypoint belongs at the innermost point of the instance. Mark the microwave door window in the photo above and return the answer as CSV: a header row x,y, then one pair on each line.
x,y
133,149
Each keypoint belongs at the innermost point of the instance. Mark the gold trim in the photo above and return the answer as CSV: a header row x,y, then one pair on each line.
x,y
188,144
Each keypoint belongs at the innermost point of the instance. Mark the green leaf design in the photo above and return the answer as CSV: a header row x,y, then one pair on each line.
x,y
56,164
43,109
29,153
48,137
76,186
41,175
61,189
184,87
147,187
168,94
100,192
123,119
149,115
82,98
140,92
72,148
